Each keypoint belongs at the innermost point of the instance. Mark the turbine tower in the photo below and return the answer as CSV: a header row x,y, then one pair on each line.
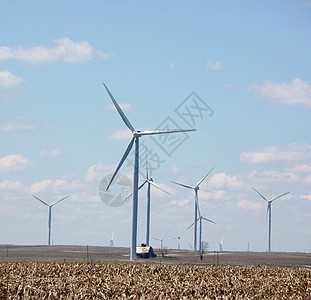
x,y
196,203
136,134
269,202
50,214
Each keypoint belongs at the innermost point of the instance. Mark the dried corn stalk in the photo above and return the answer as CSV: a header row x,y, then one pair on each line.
x,y
150,281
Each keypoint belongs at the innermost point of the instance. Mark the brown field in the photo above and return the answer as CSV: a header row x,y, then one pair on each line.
x,y
80,272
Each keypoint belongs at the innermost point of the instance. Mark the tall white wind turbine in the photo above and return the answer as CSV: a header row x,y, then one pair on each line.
x,y
50,214
196,201
136,134
269,202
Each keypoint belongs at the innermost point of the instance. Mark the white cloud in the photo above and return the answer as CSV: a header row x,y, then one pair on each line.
x,y
98,171
9,80
221,180
273,177
12,186
179,203
291,152
249,205
123,134
55,186
65,50
16,127
299,168
297,91
13,163
307,180
217,66
214,195
308,197
50,153
175,169
124,106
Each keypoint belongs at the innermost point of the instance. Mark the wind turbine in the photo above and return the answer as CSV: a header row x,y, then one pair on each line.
x,y
269,202
196,201
200,218
112,236
136,134
50,213
220,244
178,241
150,182
160,240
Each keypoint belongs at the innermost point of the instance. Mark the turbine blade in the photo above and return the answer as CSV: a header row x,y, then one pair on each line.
x,y
40,200
208,220
190,226
259,194
156,239
152,183
142,184
121,113
184,185
152,132
130,195
279,196
147,175
126,153
59,201
204,177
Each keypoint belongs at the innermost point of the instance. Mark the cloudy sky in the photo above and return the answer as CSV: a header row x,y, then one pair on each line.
x,y
238,72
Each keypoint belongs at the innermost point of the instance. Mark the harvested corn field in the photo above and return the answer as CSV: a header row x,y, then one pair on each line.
x,y
43,280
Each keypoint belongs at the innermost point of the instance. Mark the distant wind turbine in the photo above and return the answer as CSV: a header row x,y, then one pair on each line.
x,y
50,214
178,241
269,202
112,236
220,244
150,182
136,134
196,201
200,218
160,240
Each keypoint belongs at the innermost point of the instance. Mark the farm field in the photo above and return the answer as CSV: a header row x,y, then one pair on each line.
x,y
120,254
80,272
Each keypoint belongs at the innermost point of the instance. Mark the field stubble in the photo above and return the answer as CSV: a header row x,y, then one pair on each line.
x,y
63,280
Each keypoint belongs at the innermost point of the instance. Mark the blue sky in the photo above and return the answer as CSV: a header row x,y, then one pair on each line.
x,y
247,62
